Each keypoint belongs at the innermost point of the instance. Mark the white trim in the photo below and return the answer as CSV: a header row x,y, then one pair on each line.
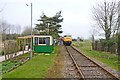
x,y
41,44
51,39
43,36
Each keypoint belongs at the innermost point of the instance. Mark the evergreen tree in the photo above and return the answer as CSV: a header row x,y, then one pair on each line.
x,y
50,25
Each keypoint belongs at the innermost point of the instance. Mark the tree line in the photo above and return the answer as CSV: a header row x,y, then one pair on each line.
x,y
46,26
9,31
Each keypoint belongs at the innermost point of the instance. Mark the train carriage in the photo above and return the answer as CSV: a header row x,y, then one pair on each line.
x,y
40,43
67,40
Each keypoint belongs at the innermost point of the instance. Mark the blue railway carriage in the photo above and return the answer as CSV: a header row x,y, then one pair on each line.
x,y
40,43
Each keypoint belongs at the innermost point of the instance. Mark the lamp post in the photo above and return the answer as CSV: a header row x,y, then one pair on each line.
x,y
31,33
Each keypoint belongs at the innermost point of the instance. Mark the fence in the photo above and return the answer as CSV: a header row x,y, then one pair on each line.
x,y
101,45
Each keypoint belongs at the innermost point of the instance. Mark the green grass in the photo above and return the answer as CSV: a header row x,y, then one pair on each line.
x,y
0,68
35,68
107,58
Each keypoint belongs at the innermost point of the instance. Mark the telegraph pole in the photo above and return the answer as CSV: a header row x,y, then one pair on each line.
x,y
31,33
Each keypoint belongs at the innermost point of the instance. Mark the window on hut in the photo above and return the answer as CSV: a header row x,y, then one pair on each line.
x,y
41,40
47,40
36,40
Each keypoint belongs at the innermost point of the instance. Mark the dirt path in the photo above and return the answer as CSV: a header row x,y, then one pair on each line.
x,y
63,66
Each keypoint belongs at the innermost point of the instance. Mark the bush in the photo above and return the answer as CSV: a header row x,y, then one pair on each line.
x,y
10,46
2,53
106,45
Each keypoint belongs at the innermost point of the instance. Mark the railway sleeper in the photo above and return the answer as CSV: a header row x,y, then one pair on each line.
x,y
87,66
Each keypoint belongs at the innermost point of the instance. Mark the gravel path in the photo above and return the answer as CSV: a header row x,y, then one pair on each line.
x,y
69,70
113,71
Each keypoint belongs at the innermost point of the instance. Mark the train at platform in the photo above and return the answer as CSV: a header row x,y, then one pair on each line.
x,y
67,40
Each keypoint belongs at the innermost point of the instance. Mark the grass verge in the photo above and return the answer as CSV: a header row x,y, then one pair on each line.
x,y
35,68
55,71
107,58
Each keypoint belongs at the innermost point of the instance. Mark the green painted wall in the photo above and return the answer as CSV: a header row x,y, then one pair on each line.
x,y
43,49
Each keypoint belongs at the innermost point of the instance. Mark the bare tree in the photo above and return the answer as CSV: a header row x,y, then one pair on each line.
x,y
119,29
12,29
18,29
106,16
3,26
27,31
4,29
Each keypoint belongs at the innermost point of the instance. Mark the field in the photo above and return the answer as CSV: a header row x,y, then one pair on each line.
x,y
105,57
38,67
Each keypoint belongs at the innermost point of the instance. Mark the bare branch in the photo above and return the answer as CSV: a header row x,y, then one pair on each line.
x,y
105,15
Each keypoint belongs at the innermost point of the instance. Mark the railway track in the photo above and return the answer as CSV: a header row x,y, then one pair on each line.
x,y
86,68
69,71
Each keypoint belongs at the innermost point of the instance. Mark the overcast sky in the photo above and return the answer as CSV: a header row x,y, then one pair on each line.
x,y
76,13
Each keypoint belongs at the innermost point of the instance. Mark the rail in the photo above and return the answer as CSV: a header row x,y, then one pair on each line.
x,y
86,67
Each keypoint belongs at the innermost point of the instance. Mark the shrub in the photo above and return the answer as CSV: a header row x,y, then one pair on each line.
x,y
10,47
2,53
